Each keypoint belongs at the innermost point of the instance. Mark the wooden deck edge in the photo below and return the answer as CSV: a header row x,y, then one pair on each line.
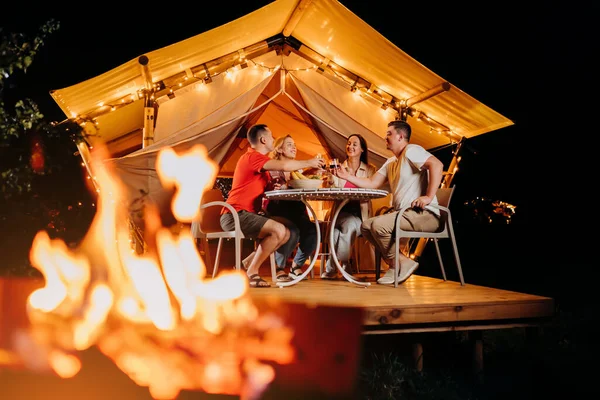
x,y
456,314
458,326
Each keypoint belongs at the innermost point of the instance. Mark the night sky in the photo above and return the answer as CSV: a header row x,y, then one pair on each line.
x,y
530,65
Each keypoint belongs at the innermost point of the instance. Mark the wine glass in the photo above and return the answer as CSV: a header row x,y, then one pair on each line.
x,y
333,164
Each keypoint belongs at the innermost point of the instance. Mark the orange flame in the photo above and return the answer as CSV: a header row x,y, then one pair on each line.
x,y
137,308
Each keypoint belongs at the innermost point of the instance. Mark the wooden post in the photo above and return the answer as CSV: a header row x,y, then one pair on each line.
x,y
418,356
477,339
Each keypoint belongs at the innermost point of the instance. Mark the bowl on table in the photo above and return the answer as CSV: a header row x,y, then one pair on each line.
x,y
305,183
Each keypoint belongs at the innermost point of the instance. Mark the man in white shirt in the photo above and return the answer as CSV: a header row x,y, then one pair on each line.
x,y
414,176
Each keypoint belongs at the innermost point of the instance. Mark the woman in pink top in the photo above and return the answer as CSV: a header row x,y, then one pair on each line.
x,y
350,218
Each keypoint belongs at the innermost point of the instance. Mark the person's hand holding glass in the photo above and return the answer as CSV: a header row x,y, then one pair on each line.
x,y
277,181
341,172
317,162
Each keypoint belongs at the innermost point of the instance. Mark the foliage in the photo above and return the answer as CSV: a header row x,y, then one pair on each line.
x,y
385,375
42,186
17,50
29,145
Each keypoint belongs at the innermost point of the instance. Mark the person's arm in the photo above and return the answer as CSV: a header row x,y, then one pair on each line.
x,y
436,169
372,182
293,165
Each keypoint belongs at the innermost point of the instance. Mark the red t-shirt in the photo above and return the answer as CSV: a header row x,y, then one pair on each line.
x,y
249,182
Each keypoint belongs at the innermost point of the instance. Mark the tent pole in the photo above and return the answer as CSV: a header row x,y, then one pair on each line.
x,y
135,234
84,152
453,164
434,91
296,16
149,113
405,105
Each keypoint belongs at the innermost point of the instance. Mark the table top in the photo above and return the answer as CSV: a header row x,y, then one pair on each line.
x,y
326,194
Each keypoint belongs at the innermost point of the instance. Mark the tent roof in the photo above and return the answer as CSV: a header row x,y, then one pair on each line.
x,y
324,31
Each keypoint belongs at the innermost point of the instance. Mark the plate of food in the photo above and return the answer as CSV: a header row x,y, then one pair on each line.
x,y
300,181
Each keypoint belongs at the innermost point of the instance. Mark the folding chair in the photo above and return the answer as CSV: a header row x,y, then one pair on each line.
x,y
208,226
444,195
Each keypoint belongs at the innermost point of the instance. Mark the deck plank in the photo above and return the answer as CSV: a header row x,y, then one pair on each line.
x,y
420,300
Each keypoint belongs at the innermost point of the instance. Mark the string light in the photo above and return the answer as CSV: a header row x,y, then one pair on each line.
x,y
322,65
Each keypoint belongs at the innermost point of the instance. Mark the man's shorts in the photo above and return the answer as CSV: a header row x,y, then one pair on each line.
x,y
250,223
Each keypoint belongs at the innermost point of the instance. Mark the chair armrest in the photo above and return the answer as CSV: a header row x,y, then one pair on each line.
x,y
383,210
439,207
236,218
221,204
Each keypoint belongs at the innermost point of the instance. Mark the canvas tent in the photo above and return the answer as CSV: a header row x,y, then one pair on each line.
x,y
310,68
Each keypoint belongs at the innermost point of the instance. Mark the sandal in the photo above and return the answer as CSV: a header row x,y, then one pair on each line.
x,y
282,276
257,282
329,275
296,272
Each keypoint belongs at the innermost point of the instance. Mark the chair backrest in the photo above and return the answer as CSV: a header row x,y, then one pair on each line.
x,y
210,216
444,195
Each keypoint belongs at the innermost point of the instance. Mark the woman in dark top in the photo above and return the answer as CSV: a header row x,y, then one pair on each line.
x,y
291,212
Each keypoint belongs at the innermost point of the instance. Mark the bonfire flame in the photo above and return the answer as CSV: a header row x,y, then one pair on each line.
x,y
154,314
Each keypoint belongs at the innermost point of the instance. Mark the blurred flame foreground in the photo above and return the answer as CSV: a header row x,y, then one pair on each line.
x,y
154,315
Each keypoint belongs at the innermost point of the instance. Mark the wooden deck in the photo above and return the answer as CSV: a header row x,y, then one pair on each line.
x,y
421,304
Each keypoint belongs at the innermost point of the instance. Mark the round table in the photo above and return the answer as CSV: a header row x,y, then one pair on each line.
x,y
341,196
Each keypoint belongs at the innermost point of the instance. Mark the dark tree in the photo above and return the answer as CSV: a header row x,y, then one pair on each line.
x,y
42,181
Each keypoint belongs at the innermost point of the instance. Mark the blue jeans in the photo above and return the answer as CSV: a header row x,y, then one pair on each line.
x,y
302,233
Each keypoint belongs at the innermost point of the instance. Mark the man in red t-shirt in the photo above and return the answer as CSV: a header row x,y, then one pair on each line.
x,y
249,181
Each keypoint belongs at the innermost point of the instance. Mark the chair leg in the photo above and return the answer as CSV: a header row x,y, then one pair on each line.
x,y
377,263
357,254
238,254
312,271
205,245
397,262
273,267
322,250
437,249
218,257
456,257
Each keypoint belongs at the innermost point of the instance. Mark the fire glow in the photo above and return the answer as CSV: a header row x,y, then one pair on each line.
x,y
154,315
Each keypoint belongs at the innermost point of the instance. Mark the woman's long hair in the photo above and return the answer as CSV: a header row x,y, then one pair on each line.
x,y
275,154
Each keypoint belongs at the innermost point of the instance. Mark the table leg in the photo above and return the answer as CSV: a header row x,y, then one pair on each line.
x,y
313,260
332,253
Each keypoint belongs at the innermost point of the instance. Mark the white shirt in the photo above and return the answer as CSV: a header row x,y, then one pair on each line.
x,y
407,179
